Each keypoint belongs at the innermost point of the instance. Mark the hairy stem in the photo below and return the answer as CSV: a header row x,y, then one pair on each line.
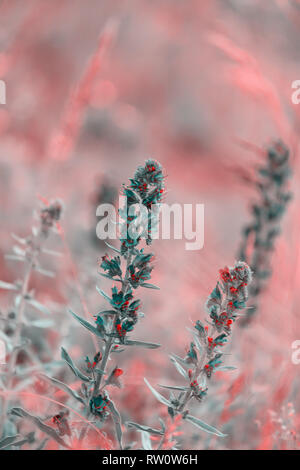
x,y
111,341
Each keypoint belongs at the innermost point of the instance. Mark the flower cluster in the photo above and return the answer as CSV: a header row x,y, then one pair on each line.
x,y
259,236
92,364
234,286
98,406
146,188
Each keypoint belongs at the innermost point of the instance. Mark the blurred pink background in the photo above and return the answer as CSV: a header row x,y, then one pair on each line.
x,y
93,89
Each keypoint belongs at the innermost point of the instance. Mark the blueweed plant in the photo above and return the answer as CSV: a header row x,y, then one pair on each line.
x,y
27,251
205,353
129,268
259,236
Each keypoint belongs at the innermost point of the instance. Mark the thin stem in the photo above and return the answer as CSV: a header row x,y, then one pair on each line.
x,y
111,340
106,354
198,371
16,340
188,394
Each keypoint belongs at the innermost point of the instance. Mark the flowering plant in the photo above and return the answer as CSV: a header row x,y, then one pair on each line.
x,y
205,353
27,251
260,234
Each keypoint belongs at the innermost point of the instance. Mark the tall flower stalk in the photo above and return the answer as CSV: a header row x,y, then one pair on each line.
x,y
27,251
260,234
205,352
130,268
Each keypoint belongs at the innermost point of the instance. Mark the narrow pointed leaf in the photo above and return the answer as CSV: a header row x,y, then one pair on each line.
x,y
72,366
141,427
142,344
181,361
63,387
86,325
174,387
108,312
7,441
14,258
21,413
157,395
204,426
106,297
112,248
18,251
42,323
110,277
38,306
7,286
179,368
149,286
44,272
18,239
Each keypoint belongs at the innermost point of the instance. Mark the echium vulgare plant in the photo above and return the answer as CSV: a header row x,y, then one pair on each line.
x,y
130,268
28,251
205,353
260,234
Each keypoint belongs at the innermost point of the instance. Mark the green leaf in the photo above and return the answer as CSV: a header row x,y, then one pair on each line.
x,y
216,293
196,339
149,286
63,387
141,427
42,323
179,360
157,395
227,368
174,387
38,306
142,344
204,426
44,272
73,368
179,368
110,277
40,425
106,297
14,258
113,248
19,251
18,239
86,325
8,286
117,420
108,312
7,441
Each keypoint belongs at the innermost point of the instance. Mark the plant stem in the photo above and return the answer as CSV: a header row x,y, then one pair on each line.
x,y
198,371
16,340
108,347
111,341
